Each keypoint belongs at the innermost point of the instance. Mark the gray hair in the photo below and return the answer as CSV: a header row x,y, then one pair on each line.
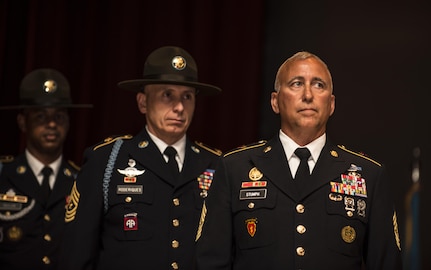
x,y
302,55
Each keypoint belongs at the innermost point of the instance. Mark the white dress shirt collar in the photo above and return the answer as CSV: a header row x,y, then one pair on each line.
x,y
180,147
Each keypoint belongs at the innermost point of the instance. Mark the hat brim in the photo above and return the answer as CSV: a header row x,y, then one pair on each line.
x,y
138,85
36,106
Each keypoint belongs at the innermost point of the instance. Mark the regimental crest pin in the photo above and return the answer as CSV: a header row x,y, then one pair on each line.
x,y
254,174
131,172
251,225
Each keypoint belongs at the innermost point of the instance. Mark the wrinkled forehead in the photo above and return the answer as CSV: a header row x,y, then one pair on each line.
x,y
293,67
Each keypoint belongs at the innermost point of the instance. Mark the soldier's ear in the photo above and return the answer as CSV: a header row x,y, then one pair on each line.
x,y
141,100
20,119
274,102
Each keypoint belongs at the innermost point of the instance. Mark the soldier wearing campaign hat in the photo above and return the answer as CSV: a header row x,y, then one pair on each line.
x,y
137,201
34,186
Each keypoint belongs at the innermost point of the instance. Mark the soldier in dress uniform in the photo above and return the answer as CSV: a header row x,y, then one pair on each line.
x,y
32,206
130,209
298,201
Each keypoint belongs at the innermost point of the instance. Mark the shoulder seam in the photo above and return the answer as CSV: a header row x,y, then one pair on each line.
x,y
242,148
110,140
214,151
342,147
73,164
7,158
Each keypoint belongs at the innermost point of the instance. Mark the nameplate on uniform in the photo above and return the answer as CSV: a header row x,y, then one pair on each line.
x,y
250,194
13,198
130,189
8,206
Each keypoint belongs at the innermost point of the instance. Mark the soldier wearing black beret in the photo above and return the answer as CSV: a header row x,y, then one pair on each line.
x,y
299,201
137,201
35,185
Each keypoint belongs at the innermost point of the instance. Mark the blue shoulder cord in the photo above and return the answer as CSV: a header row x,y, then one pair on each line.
x,y
108,172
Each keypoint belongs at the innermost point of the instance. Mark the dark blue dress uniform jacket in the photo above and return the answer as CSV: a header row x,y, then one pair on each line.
x,y
280,224
31,233
165,212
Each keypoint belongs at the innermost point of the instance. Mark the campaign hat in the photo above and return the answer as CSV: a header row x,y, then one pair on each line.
x,y
170,65
45,87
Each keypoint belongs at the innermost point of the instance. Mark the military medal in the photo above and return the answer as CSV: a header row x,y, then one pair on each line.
x,y
205,180
351,183
131,172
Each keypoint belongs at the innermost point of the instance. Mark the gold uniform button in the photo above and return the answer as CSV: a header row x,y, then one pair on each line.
x,y
46,217
350,213
175,265
300,208
176,201
47,237
176,222
128,199
300,251
251,205
46,260
175,244
301,229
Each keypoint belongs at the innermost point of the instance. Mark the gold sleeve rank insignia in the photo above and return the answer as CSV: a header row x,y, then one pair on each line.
x,y
72,204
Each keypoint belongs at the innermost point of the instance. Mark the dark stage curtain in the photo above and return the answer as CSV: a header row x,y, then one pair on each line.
x,y
96,44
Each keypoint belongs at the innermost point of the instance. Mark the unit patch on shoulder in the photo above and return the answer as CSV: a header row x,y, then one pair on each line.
x,y
112,139
72,204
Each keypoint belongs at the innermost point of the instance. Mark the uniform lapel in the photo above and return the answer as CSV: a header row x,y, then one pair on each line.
x,y
328,167
63,183
144,151
195,163
24,179
272,162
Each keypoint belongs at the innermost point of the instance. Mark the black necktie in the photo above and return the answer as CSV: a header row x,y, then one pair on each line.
x,y
172,162
46,190
303,171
